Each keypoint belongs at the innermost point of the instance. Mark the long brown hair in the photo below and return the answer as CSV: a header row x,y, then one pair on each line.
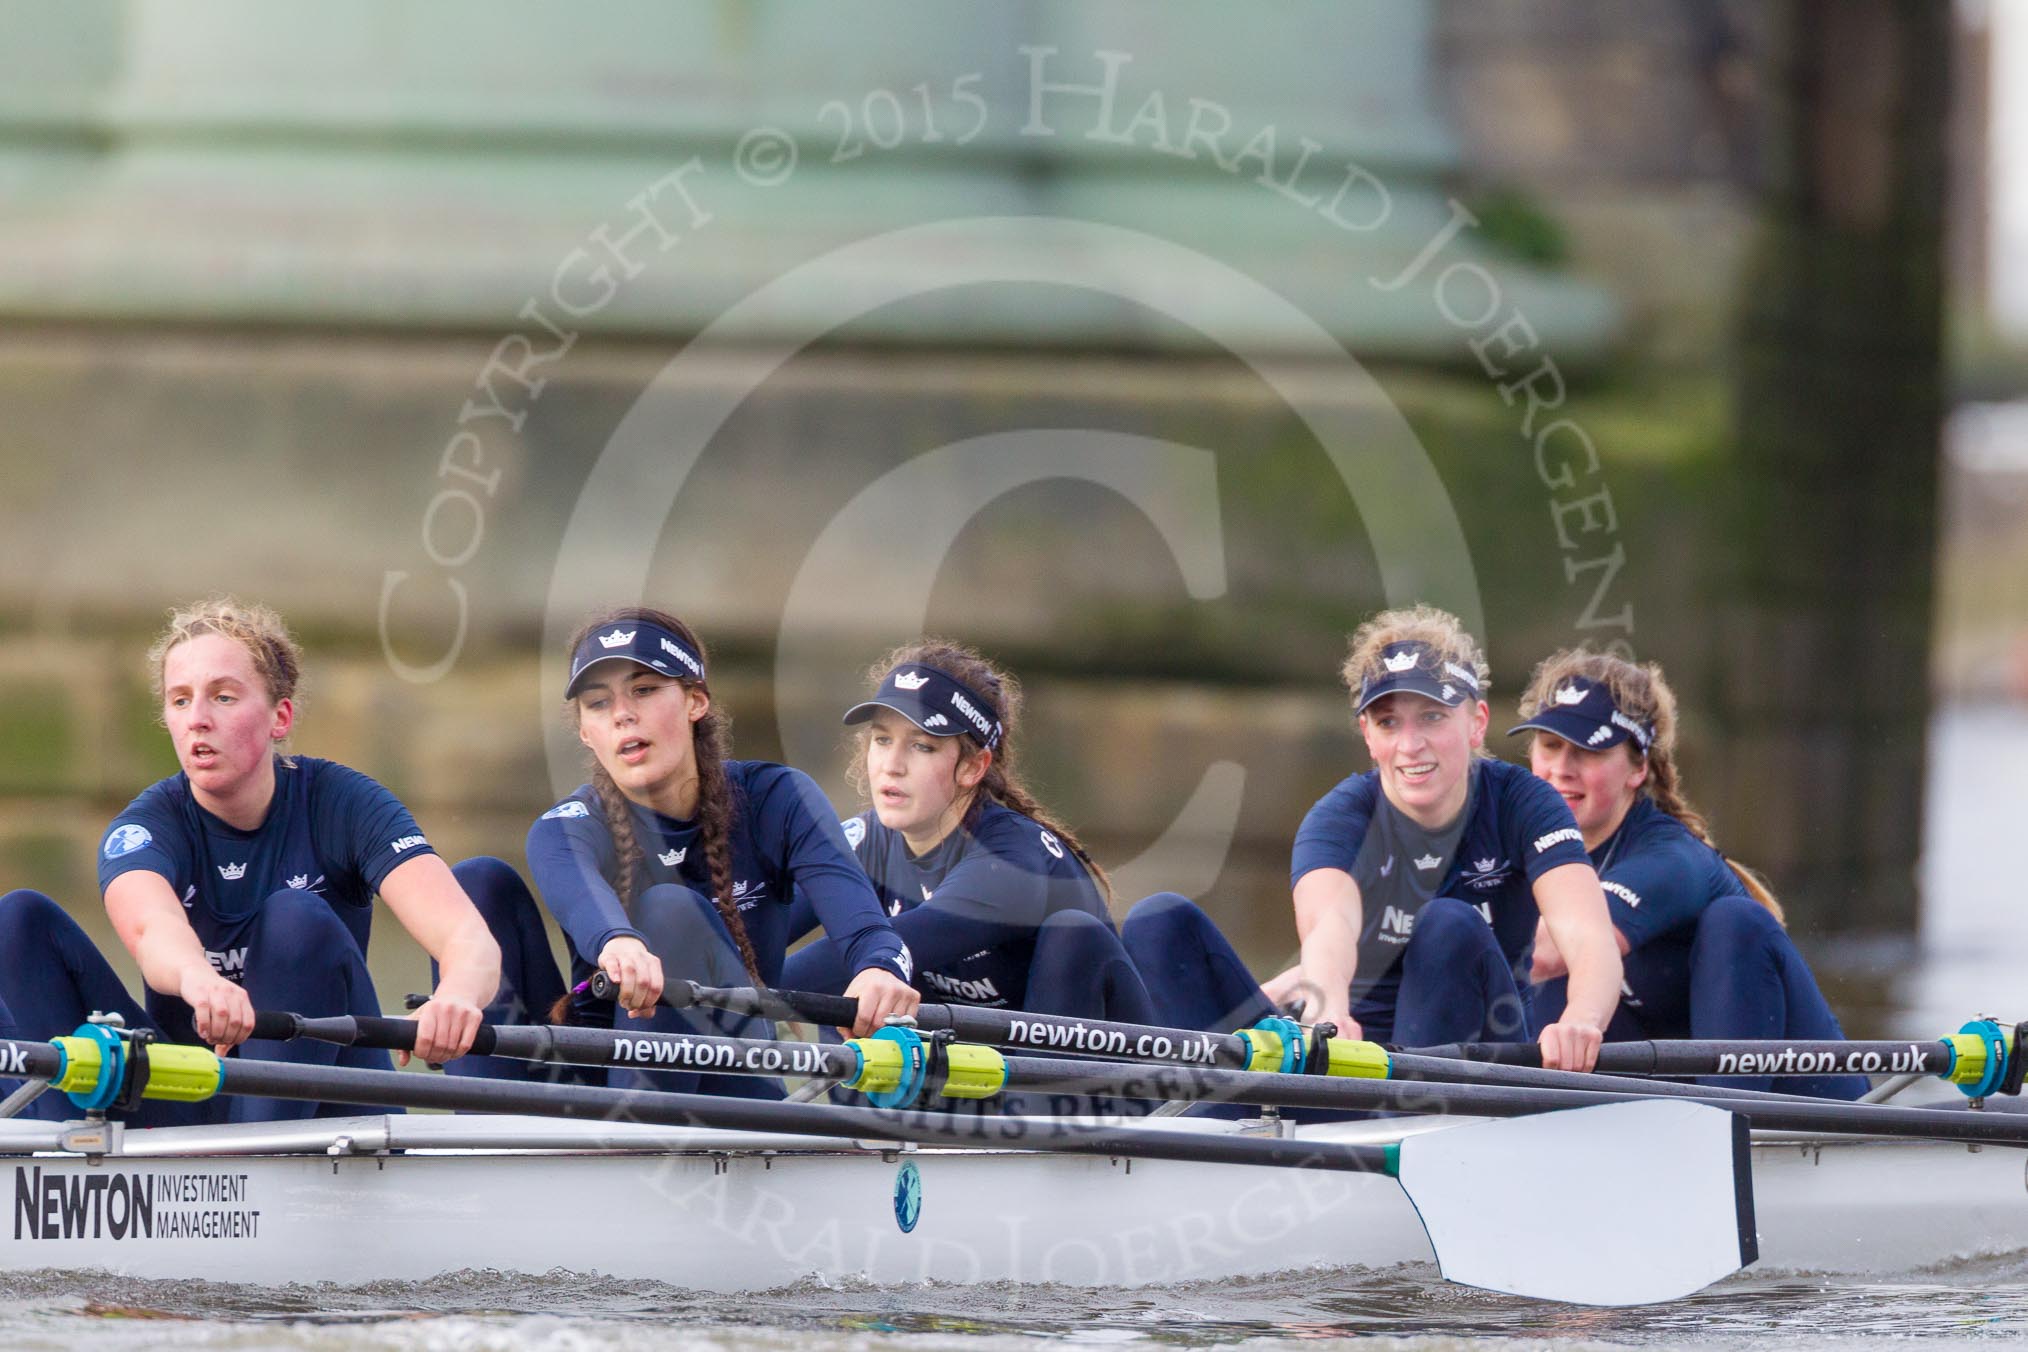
x,y
1642,694
1003,783
711,740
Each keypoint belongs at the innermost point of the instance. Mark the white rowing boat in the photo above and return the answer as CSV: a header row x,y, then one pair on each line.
x,y
412,1197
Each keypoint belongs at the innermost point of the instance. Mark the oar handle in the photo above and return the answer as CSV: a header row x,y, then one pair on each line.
x,y
839,1011
348,1030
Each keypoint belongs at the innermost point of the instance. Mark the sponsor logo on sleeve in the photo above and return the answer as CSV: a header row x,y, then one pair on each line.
x,y
1543,842
1623,892
904,962
1052,844
406,843
571,808
127,838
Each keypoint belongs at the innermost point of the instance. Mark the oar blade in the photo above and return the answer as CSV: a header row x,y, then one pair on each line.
x,y
1621,1204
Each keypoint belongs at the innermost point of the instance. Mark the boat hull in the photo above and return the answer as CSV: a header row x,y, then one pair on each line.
x,y
413,1198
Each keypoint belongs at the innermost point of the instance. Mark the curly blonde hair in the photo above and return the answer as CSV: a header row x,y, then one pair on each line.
x,y
1442,631
1642,693
277,658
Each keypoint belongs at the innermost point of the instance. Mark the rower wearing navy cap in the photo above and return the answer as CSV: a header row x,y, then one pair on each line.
x,y
247,879
999,902
674,859
1704,949
1418,885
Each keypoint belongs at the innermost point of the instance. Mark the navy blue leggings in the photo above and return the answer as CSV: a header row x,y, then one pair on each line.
x,y
1740,977
681,927
1456,985
1193,976
300,957
1078,969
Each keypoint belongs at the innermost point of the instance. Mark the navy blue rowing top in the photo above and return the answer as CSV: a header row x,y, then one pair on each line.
x,y
970,907
786,846
1514,828
1658,876
330,830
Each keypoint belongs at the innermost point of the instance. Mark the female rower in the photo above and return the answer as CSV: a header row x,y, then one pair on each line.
x,y
1418,885
674,857
1704,949
998,901
247,880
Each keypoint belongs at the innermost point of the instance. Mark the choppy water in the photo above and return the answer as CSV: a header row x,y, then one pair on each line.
x,y
1971,1306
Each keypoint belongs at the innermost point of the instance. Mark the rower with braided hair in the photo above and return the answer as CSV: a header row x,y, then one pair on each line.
x,y
1706,955
999,901
674,857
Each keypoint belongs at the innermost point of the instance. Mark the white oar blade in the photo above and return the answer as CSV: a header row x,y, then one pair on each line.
x,y
1622,1204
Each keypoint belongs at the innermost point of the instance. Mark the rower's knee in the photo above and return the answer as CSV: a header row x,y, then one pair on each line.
x,y
1161,920
1445,930
1078,932
29,923
1736,924
495,889
303,926
684,929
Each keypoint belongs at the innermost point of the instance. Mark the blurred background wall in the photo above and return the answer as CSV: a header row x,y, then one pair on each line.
x,y
1186,342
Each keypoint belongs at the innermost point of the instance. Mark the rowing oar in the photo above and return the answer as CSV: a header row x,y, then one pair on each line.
x,y
897,1068
1980,1058
1563,1206
1274,1045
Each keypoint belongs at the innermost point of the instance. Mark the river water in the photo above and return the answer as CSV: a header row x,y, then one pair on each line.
x,y
1973,959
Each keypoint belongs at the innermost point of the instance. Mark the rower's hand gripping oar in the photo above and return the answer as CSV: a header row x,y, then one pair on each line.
x,y
1494,1197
